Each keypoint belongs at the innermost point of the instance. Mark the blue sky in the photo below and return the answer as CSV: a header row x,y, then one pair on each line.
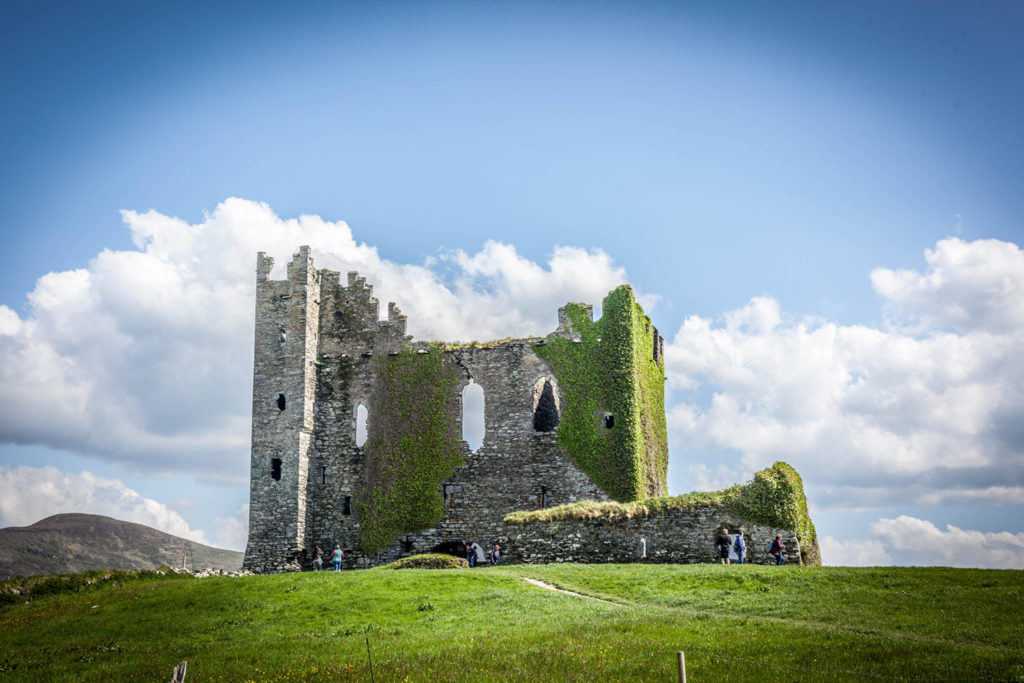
x,y
714,154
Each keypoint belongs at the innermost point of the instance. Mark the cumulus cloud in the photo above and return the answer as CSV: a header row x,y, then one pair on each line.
x,y
914,412
910,541
968,285
28,494
233,532
145,355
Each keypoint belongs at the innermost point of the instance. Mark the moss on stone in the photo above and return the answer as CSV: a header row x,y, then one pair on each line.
x,y
612,370
414,447
774,497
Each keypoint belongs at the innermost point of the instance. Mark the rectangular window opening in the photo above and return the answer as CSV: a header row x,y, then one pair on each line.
x,y
275,469
543,496
323,475
347,507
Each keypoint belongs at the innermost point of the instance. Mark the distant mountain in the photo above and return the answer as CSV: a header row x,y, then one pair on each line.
x,y
70,543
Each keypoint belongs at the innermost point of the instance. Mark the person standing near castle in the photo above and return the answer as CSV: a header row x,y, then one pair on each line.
x,y
724,542
778,549
338,555
740,547
318,559
470,553
496,554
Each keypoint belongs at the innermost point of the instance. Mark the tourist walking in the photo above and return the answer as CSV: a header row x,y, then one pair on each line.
x,y
318,559
496,554
723,543
740,547
338,555
778,549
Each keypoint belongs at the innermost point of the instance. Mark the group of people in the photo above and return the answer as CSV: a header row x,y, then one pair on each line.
x,y
726,543
336,557
475,554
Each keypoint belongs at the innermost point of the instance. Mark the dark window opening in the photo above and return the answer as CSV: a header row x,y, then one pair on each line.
x,y
609,421
339,316
280,402
543,496
275,468
456,548
657,346
346,508
407,544
545,412
323,475
284,335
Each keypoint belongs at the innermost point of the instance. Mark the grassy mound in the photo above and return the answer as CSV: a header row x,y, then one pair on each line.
x,y
428,561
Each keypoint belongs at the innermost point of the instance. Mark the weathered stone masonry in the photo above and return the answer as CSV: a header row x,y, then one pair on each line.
x,y
322,355
318,348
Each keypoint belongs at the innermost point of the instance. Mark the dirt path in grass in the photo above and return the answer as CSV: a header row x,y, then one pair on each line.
x,y
548,586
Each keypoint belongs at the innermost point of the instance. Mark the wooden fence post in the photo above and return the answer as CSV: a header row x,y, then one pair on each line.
x,y
682,666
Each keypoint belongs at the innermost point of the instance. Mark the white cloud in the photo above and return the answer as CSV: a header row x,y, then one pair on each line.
x,y
868,416
29,494
233,532
911,541
855,553
916,541
145,356
969,285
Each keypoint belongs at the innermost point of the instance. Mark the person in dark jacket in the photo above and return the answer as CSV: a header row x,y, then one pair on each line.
x,y
470,553
740,547
723,544
778,549
496,554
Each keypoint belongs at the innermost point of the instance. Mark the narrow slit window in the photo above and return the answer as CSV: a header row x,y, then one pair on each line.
x,y
473,428
346,508
275,469
323,474
362,415
280,402
545,406
543,496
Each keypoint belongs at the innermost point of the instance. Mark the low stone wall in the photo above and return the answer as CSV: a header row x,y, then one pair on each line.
x,y
678,536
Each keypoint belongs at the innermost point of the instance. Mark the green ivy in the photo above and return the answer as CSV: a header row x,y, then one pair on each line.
x,y
415,447
774,497
612,370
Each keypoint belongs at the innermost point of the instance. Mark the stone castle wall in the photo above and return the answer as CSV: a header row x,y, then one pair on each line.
x,y
315,349
678,536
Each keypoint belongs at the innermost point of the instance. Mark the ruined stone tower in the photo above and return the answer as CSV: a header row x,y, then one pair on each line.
x,y
576,415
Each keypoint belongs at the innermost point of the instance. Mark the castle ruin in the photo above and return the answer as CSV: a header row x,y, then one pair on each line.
x,y
576,415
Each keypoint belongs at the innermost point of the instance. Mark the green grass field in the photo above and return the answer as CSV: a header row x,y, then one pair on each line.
x,y
737,622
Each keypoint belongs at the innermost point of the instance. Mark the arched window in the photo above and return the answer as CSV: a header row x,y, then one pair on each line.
x,y
280,402
361,417
545,406
473,415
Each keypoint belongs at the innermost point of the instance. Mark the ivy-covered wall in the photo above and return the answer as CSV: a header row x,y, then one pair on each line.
x,y
613,367
774,498
413,446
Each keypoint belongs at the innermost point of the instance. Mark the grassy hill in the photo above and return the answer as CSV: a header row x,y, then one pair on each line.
x,y
737,622
70,543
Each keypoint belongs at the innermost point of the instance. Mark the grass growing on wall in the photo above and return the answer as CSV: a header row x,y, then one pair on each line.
x,y
611,370
413,447
774,497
